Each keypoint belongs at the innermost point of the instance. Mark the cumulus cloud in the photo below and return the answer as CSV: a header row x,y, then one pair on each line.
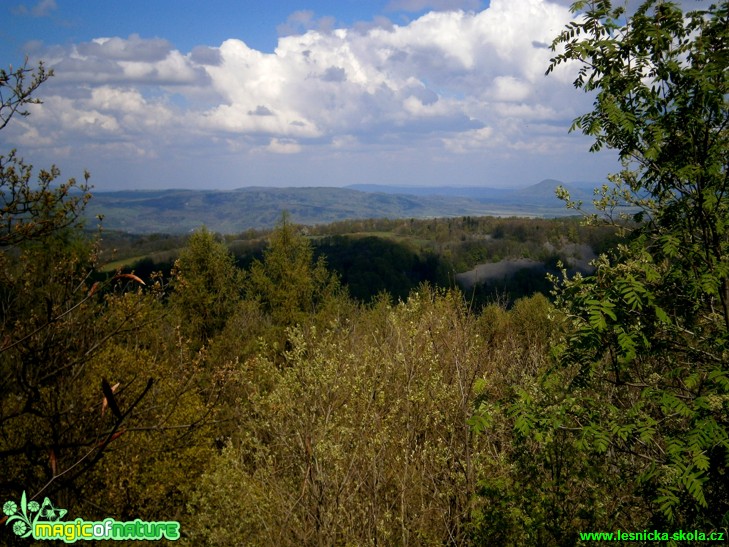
x,y
260,111
132,60
133,48
509,89
283,146
334,74
205,55
476,139
446,71
450,81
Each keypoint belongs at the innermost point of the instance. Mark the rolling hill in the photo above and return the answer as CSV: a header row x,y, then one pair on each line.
x,y
179,211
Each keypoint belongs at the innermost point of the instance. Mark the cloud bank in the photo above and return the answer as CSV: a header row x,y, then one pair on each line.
x,y
452,93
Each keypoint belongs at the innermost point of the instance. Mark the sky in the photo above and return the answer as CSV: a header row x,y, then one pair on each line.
x,y
222,94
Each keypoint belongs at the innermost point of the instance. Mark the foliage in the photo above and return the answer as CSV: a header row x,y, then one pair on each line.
x,y
88,373
30,212
17,87
359,437
532,490
258,403
52,322
148,471
394,256
53,325
645,359
371,265
287,283
206,286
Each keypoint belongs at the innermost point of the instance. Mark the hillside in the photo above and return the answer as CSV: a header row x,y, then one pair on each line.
x,y
487,257
534,197
180,211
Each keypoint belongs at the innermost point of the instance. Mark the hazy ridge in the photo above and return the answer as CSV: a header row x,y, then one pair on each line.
x,y
179,211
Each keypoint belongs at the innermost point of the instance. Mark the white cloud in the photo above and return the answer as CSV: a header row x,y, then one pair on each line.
x,y
509,89
449,81
125,61
347,82
476,139
133,48
283,146
345,142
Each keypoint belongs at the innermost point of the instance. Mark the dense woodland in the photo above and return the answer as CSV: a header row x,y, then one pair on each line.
x,y
260,396
377,256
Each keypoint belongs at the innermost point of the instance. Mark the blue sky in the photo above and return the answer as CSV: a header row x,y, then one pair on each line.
x,y
225,94
185,23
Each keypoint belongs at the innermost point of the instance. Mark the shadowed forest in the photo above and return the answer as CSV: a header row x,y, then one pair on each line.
x,y
394,257
369,382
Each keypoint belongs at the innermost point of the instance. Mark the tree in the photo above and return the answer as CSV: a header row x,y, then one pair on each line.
x,y
206,285
288,284
645,358
53,322
103,405
661,85
17,88
357,437
26,212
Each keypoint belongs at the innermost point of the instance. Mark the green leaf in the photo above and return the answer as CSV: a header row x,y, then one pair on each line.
x,y
661,315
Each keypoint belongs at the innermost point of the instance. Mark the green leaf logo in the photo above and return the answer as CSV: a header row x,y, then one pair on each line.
x,y
25,515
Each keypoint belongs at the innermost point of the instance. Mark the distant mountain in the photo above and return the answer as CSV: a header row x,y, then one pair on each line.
x,y
179,211
536,195
540,190
473,192
544,192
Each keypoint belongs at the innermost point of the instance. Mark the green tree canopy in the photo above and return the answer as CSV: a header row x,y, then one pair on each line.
x,y
646,358
207,286
53,322
288,283
85,358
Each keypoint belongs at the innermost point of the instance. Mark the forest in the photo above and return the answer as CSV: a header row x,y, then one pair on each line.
x,y
333,385
394,256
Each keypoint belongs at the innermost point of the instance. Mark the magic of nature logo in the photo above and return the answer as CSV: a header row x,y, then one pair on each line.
x,y
44,521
